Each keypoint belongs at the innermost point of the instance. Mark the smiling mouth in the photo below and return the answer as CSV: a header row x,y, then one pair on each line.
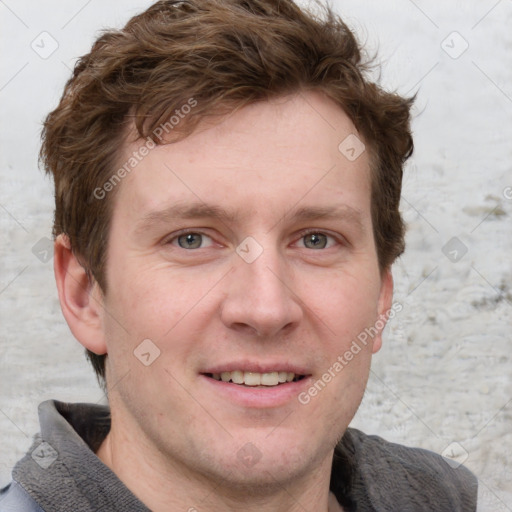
x,y
254,379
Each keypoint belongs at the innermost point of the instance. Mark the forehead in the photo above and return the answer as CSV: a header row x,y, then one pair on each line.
x,y
265,157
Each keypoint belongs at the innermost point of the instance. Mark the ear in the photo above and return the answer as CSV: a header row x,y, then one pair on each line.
x,y
81,299
384,307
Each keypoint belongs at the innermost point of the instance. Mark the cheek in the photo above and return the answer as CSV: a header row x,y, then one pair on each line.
x,y
346,303
161,304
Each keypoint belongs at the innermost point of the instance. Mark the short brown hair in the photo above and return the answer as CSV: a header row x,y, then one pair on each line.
x,y
224,54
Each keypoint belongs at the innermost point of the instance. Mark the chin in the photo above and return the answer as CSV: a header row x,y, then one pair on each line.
x,y
268,464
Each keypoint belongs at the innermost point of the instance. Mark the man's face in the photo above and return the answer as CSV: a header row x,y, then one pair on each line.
x,y
246,247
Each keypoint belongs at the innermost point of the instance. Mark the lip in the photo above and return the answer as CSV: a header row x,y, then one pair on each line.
x,y
256,397
251,366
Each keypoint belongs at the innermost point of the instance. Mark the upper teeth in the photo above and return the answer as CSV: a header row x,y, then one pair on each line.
x,y
255,379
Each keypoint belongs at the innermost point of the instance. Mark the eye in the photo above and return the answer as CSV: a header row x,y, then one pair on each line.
x,y
192,241
316,240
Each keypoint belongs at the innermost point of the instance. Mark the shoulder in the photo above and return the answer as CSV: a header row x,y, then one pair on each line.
x,y
397,477
14,498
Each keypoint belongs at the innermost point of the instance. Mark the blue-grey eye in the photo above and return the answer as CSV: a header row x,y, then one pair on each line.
x,y
315,241
190,240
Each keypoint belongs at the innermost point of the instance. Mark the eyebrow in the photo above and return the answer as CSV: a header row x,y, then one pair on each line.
x,y
342,212
199,210
184,211
349,213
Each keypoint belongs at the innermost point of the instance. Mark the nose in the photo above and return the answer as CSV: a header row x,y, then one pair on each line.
x,y
260,299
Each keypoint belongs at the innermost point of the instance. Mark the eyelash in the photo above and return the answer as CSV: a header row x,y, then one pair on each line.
x,y
170,239
319,232
337,238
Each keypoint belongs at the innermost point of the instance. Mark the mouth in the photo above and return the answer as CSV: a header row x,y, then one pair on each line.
x,y
255,379
255,385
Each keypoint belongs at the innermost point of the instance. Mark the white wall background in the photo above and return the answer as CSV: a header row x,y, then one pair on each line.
x,y
444,374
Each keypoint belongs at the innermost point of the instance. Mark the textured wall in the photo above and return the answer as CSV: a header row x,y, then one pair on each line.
x,y
443,379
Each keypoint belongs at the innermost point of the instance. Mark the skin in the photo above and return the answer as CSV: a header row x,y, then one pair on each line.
x,y
178,439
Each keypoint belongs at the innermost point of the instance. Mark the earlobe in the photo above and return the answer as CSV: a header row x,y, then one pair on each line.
x,y
384,307
80,298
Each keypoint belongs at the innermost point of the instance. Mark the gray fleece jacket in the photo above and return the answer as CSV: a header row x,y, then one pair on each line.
x,y
61,472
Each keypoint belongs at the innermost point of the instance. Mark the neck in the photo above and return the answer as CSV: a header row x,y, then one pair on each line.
x,y
165,484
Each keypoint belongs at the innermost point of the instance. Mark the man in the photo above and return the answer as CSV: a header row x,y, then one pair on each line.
x,y
227,185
